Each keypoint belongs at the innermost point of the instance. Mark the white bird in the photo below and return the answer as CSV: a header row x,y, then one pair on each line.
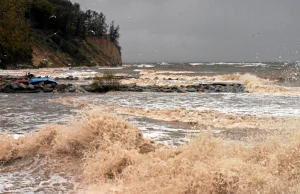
x,y
129,17
256,34
53,16
155,51
54,34
92,31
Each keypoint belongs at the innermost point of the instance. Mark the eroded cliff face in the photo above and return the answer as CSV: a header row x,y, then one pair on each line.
x,y
94,52
111,54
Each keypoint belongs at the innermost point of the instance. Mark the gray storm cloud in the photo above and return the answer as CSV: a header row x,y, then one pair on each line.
x,y
204,30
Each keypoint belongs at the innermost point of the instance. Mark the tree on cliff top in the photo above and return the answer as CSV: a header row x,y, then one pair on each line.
x,y
15,43
114,35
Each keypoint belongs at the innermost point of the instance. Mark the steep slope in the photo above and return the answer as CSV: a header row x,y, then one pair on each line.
x,y
92,51
55,33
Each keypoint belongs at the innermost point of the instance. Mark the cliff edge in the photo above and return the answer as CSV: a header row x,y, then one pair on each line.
x,y
92,51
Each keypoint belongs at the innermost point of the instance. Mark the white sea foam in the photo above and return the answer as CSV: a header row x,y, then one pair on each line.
x,y
196,64
110,68
262,105
163,63
242,64
126,65
145,66
80,74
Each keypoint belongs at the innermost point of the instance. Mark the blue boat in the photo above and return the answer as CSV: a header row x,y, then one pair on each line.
x,y
42,79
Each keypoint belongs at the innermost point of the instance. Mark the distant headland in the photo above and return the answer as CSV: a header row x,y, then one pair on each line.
x,y
55,33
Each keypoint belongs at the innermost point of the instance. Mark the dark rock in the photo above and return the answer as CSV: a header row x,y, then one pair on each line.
x,y
98,88
217,88
88,88
200,89
31,87
130,85
229,88
70,77
61,87
153,90
72,90
37,86
138,89
191,90
222,89
47,90
22,86
167,90
212,88
181,90
14,86
7,88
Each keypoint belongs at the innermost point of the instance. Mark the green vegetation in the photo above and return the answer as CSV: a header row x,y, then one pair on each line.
x,y
107,82
59,24
14,33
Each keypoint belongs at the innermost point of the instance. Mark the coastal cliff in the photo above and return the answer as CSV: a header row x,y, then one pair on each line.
x,y
56,33
110,52
92,51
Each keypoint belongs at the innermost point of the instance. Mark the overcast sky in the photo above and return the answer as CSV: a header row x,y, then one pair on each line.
x,y
204,30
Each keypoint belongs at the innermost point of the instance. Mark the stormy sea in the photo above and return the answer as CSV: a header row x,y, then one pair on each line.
x,y
155,142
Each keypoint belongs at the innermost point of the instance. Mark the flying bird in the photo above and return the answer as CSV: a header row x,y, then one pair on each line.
x,y
53,16
92,31
256,34
54,34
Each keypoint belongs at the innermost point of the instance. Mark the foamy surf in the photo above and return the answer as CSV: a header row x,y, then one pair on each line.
x,y
116,158
82,155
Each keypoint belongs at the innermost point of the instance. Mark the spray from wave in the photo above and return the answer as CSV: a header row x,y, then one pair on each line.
x,y
117,159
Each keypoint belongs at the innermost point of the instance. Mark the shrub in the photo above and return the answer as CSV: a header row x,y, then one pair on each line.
x,y
107,82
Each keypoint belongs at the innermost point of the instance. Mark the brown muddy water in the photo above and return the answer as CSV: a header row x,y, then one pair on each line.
x,y
204,143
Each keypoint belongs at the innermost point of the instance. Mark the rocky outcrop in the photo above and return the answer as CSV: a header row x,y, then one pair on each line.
x,y
203,88
13,87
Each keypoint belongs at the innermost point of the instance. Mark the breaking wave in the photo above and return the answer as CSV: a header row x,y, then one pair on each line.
x,y
117,159
252,83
